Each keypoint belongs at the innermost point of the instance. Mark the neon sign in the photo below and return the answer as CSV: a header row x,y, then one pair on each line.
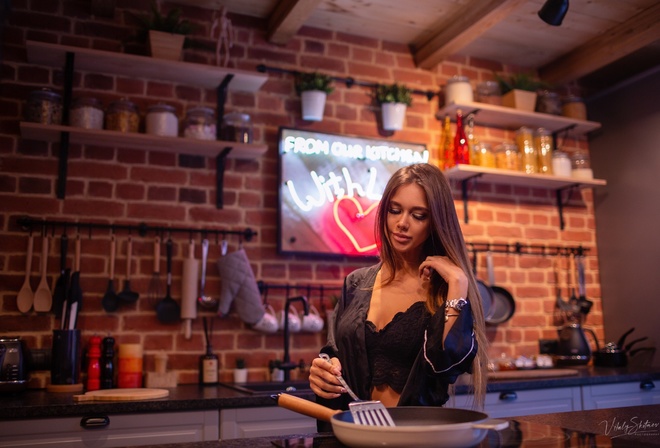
x,y
330,188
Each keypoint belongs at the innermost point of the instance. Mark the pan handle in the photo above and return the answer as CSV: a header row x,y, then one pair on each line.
x,y
305,407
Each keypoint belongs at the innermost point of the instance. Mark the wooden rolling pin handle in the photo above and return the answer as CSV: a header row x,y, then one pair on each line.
x,y
305,407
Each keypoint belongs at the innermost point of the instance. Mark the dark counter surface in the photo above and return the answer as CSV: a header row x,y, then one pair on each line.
x,y
43,404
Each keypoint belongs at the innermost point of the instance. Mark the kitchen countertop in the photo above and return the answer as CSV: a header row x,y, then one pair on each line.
x,y
42,404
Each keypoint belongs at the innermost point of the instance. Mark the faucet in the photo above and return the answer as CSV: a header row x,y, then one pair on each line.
x,y
287,365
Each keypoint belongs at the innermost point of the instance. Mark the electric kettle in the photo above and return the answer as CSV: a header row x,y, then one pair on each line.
x,y
573,348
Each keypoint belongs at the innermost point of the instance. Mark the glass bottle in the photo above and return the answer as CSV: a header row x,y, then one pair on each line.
x,y
543,146
461,148
471,139
446,145
525,143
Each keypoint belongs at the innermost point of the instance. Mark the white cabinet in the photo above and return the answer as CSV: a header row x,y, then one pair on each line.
x,y
121,430
619,395
263,421
526,402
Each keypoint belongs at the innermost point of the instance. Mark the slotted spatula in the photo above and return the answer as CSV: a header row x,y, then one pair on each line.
x,y
364,412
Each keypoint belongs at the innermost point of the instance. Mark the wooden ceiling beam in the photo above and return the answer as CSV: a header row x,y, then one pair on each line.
x,y
287,18
621,40
465,26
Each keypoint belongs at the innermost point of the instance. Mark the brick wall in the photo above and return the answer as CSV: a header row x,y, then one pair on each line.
x,y
126,185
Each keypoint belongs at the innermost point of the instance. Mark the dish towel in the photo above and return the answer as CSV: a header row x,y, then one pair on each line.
x,y
239,284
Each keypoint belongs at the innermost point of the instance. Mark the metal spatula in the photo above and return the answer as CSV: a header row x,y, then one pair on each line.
x,y
372,413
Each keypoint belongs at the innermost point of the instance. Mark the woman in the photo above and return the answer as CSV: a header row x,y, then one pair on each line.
x,y
407,327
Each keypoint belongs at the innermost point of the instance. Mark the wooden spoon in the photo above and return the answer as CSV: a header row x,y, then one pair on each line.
x,y
42,297
26,295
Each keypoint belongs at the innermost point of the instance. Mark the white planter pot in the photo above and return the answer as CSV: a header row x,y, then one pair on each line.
x,y
393,116
520,99
313,104
166,45
240,375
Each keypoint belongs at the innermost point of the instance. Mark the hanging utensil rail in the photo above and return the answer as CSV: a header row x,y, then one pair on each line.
x,y
527,249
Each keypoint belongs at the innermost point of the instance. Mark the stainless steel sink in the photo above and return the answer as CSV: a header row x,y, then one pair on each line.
x,y
270,388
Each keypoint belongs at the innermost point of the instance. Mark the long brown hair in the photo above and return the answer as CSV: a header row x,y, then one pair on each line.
x,y
446,239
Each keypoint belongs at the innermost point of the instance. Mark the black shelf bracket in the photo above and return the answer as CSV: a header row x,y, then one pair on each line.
x,y
560,204
63,161
220,162
466,196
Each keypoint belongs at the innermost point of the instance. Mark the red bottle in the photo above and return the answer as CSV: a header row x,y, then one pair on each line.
x,y
461,147
93,364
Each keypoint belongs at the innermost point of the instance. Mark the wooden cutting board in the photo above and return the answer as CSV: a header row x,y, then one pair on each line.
x,y
122,395
530,374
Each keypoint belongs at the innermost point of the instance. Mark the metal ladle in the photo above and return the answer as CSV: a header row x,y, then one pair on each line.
x,y
204,300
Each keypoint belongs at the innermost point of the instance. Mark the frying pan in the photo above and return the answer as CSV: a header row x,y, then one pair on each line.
x,y
416,426
503,304
484,290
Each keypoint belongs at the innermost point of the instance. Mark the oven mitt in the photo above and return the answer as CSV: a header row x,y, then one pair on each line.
x,y
239,284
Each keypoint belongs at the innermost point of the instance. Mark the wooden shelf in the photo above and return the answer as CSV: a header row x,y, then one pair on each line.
x,y
510,118
97,61
179,145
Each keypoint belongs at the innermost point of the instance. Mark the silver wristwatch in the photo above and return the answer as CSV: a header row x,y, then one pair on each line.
x,y
457,304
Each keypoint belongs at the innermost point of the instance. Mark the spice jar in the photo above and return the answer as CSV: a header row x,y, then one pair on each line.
x,y
484,155
507,157
543,147
581,166
162,120
236,127
574,107
122,116
44,106
561,164
548,102
458,90
200,124
489,92
86,112
529,158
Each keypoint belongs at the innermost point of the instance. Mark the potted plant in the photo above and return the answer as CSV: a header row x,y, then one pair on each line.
x,y
394,99
313,89
240,372
519,90
166,34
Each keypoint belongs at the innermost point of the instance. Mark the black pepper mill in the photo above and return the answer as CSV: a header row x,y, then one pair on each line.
x,y
108,363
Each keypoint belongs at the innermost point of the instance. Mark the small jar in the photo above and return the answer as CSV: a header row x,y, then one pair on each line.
x,y
162,120
484,155
581,166
548,102
561,164
236,127
44,106
525,142
200,124
489,92
458,91
122,115
507,157
86,112
574,107
543,147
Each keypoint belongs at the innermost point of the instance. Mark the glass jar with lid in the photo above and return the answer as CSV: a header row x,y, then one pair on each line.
x,y
237,127
458,90
507,157
489,92
122,116
200,124
162,120
574,107
548,102
561,164
484,155
525,142
86,112
44,106
581,165
543,147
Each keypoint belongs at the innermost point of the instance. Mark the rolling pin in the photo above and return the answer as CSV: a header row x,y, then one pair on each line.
x,y
189,289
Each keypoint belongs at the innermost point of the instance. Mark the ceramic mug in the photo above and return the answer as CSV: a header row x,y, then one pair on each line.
x,y
313,322
268,323
294,319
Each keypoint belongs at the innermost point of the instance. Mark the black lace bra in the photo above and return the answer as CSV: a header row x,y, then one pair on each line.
x,y
392,350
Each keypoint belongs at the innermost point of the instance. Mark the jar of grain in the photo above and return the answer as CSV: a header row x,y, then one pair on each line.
x,y
581,165
236,127
162,120
200,124
561,164
543,147
122,116
44,106
574,107
458,91
507,157
86,112
489,92
525,142
484,155
548,102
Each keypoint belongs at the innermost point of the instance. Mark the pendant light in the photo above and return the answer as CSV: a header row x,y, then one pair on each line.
x,y
553,11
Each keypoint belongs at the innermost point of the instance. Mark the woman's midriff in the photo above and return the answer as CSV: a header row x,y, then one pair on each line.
x,y
386,395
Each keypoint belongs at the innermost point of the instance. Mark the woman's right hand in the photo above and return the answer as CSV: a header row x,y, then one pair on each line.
x,y
323,378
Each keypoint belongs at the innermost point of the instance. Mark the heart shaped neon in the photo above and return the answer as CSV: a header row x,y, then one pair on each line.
x,y
361,214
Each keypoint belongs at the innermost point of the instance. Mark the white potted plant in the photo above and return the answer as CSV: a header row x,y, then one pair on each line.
x,y
240,372
394,100
166,34
519,91
313,89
